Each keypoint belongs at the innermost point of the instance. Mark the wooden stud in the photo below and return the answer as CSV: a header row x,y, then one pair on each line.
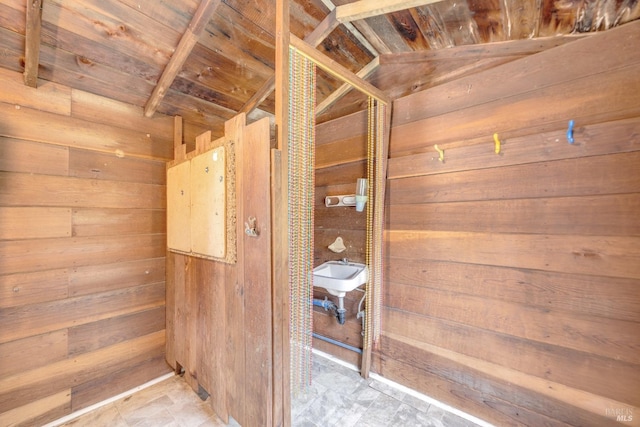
x,y
280,230
32,42
328,24
345,88
179,149
186,44
335,69
363,33
258,97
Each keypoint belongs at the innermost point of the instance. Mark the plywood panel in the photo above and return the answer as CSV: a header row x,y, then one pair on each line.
x,y
107,277
43,190
25,321
32,288
31,223
208,203
179,207
33,157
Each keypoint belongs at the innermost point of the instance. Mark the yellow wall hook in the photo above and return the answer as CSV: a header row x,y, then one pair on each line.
x,y
440,152
497,142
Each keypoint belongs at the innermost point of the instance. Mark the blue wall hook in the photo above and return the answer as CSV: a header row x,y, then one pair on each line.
x,y
570,132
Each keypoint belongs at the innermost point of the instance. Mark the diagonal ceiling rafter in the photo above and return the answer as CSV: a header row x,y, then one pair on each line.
x,y
341,15
189,39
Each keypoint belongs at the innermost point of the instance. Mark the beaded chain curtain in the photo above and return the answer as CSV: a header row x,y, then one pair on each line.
x,y
302,101
301,142
375,219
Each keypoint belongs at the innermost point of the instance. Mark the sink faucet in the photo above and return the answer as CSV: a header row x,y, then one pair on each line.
x,y
344,261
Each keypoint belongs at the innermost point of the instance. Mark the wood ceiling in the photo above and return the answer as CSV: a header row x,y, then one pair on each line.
x,y
207,60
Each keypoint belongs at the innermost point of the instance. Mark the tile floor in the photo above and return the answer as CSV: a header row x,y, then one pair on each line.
x,y
338,397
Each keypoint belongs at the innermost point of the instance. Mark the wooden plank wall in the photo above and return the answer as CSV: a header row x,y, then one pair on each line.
x,y
219,315
340,160
512,287
82,249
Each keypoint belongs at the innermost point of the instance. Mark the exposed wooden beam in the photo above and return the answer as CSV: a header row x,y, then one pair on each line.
x,y
263,93
32,42
367,35
354,31
367,8
187,42
346,88
321,32
335,69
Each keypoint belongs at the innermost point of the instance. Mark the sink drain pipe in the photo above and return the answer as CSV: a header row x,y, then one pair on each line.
x,y
338,343
339,312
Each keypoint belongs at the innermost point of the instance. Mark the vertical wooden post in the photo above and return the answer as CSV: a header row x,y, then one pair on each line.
x,y
378,242
32,42
279,203
179,149
234,292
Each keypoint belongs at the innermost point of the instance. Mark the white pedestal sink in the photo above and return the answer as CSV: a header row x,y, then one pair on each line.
x,y
339,277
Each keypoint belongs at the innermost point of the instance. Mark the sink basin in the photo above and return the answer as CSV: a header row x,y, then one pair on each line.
x,y
338,277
